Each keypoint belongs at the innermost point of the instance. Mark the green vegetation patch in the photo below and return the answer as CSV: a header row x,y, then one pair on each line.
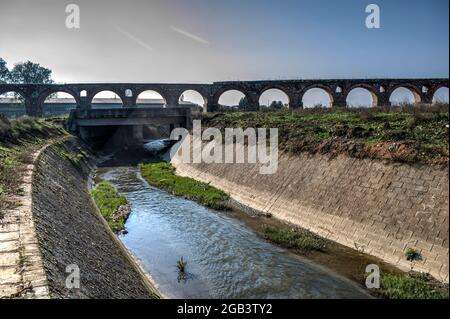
x,y
28,129
295,239
108,202
162,175
19,138
76,159
407,134
412,254
408,287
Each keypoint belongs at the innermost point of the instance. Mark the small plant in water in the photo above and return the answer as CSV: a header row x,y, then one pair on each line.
x,y
181,265
412,254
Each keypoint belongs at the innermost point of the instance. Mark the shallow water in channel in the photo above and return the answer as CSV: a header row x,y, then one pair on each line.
x,y
225,259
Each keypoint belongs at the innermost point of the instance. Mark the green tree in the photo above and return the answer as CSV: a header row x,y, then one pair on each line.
x,y
4,72
278,105
30,73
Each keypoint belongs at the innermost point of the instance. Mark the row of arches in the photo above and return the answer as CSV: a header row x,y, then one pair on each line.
x,y
317,97
357,97
100,97
62,101
314,97
149,98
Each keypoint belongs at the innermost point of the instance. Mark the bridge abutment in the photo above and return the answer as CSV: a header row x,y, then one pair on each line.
x,y
124,127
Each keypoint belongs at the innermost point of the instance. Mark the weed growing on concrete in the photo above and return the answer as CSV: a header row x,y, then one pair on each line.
x,y
295,239
412,254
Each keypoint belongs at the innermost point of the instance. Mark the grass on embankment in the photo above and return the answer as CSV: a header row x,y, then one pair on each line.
x,y
162,175
18,139
298,239
109,202
404,134
409,287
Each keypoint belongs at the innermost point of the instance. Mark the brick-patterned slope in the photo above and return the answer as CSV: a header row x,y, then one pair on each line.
x,y
70,232
379,208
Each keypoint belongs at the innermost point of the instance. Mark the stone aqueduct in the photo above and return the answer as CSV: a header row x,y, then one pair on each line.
x,y
380,89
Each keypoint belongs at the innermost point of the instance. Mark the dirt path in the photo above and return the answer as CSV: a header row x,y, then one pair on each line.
x,y
22,272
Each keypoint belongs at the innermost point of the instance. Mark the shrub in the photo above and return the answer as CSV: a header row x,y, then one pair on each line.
x,y
162,175
296,239
407,287
412,254
108,202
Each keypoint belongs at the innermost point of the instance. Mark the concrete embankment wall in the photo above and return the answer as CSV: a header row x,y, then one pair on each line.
x,y
379,208
71,232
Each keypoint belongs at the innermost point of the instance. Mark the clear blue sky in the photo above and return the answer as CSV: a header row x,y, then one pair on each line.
x,y
324,38
213,40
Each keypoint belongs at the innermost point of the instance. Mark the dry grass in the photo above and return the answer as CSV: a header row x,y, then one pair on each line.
x,y
406,133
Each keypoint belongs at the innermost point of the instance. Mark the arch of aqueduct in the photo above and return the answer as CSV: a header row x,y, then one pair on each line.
x,y
34,95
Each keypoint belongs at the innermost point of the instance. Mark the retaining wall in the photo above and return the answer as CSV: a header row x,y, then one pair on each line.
x,y
71,231
379,208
